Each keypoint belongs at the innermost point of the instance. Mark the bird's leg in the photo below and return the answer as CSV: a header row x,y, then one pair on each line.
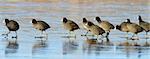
x,y
136,42
69,33
39,34
107,34
137,36
126,35
42,33
99,39
46,35
107,39
103,36
146,35
86,33
15,34
74,34
133,35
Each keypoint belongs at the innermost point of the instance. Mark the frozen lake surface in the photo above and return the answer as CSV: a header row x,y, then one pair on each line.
x,y
58,46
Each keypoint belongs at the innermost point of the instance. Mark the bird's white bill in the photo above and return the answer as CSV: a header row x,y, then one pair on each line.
x,y
126,20
61,19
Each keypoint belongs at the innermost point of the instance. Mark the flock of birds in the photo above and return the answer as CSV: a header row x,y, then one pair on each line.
x,y
106,27
100,29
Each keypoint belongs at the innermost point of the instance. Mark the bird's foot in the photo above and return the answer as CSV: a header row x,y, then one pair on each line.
x,y
134,38
39,37
71,36
87,35
6,35
14,37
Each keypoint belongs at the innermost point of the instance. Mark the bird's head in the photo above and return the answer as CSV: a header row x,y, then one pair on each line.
x,y
34,21
6,20
98,19
65,20
90,23
84,20
128,20
118,27
140,18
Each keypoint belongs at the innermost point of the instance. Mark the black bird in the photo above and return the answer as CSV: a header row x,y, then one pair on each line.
x,y
85,25
145,25
107,26
12,26
70,25
40,25
123,27
134,28
95,29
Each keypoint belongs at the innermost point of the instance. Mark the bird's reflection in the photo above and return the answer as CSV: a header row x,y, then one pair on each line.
x,y
127,42
12,46
39,45
92,45
131,42
133,51
146,44
131,47
107,42
70,45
